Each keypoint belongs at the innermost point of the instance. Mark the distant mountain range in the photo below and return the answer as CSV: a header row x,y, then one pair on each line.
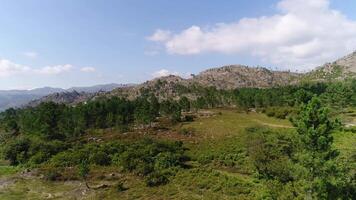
x,y
226,77
18,98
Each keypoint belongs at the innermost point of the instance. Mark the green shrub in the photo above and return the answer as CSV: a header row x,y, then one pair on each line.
x,y
38,158
120,187
156,179
17,151
68,158
100,158
272,153
279,112
189,131
51,173
189,118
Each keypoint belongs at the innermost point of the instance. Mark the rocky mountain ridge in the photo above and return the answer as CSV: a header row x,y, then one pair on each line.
x,y
226,77
240,76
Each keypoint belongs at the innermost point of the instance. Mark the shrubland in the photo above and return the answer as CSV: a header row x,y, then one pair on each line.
x,y
221,157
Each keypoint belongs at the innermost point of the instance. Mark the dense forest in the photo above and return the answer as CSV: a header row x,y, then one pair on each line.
x,y
302,162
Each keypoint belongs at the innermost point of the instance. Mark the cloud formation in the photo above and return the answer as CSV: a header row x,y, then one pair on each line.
x,y
304,33
160,36
9,68
87,69
163,72
53,70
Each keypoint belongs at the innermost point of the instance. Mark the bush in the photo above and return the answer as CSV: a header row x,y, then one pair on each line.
x,y
51,173
190,131
279,112
189,118
68,158
272,153
100,158
38,158
156,179
119,187
16,151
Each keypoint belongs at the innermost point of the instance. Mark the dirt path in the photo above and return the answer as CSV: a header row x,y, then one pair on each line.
x,y
272,125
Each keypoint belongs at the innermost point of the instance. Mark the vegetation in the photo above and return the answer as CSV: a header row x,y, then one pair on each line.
x,y
251,152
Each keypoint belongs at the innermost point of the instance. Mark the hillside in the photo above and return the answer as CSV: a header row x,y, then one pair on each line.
x,y
16,98
340,69
67,97
226,77
239,76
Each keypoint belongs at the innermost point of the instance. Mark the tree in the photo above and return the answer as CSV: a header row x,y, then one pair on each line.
x,y
318,158
10,120
84,171
171,109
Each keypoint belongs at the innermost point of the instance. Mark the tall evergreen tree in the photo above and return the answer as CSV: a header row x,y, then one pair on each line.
x,y
318,157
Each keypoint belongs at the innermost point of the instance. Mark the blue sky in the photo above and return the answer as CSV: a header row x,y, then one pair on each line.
x,y
85,42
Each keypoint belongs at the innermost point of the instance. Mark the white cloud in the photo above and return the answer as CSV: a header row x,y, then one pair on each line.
x,y
88,69
53,70
163,72
31,54
8,68
303,33
160,36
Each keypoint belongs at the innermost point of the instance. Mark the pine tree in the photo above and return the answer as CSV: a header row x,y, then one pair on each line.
x,y
318,157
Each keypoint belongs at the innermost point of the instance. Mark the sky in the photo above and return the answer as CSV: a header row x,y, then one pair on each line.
x,y
64,43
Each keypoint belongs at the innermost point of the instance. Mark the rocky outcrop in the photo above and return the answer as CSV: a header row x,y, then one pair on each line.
x,y
239,76
73,97
349,62
339,70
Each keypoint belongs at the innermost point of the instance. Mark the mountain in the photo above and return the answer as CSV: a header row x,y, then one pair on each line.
x,y
348,62
67,97
17,98
239,76
97,88
226,77
340,69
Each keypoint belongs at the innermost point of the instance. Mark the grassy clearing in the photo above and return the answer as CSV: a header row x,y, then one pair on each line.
x,y
6,170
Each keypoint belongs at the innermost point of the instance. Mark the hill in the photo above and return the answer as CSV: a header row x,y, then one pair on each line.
x,y
222,78
240,76
340,69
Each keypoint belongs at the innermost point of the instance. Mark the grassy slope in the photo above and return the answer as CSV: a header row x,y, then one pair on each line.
x,y
219,168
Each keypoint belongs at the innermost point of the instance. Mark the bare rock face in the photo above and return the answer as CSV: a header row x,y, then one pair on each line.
x,y
227,78
239,76
349,62
163,87
339,70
